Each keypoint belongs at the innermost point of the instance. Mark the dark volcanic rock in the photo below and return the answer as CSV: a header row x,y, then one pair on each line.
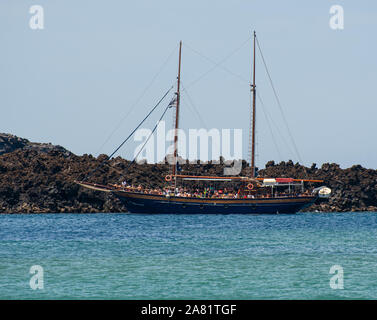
x,y
33,182
38,178
10,143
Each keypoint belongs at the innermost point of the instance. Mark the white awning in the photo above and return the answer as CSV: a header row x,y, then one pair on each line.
x,y
269,182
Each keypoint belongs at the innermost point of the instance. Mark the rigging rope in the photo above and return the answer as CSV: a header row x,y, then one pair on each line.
x,y
191,104
266,115
146,141
129,136
278,102
274,124
218,64
139,98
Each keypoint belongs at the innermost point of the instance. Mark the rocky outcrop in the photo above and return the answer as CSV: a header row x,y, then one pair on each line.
x,y
39,178
10,143
36,182
353,189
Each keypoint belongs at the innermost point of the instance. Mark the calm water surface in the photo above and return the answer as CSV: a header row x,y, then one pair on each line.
x,y
123,256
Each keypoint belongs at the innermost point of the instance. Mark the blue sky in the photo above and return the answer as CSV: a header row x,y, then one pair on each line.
x,y
72,82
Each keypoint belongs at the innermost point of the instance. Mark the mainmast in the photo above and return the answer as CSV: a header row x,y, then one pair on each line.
x,y
253,89
177,113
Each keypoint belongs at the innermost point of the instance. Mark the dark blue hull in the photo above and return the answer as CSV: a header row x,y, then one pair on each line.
x,y
155,204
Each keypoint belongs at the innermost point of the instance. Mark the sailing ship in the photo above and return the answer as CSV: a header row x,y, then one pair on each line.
x,y
250,194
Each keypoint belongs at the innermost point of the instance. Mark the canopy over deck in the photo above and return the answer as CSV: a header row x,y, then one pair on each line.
x,y
233,178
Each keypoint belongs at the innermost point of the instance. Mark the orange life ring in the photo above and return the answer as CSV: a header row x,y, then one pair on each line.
x,y
250,186
168,178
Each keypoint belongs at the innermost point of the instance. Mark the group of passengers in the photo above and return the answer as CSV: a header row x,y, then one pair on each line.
x,y
207,192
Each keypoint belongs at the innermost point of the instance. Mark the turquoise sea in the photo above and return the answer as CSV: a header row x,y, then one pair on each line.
x,y
125,256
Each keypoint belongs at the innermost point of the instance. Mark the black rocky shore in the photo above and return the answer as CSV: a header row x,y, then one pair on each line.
x,y
39,178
